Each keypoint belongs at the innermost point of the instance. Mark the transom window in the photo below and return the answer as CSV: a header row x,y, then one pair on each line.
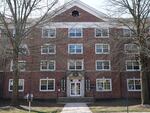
x,y
134,84
47,84
20,86
102,48
133,65
49,33
127,33
103,65
101,32
47,65
75,32
103,84
131,48
75,64
48,49
21,65
75,48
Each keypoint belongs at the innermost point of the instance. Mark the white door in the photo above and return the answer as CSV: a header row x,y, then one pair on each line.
x,y
75,89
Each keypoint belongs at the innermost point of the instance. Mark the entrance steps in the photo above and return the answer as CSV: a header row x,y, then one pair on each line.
x,y
75,100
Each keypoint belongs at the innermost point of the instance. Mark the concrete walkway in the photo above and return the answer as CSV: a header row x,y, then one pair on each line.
x,y
76,108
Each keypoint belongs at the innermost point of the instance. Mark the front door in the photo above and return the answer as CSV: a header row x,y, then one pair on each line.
x,y
75,88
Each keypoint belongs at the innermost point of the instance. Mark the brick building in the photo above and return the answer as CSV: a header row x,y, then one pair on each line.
x,y
77,55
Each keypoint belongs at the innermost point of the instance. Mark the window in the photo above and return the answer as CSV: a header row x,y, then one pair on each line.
x,y
103,84
134,84
102,48
47,65
102,65
133,65
131,48
47,84
48,49
49,33
21,65
75,64
23,49
127,33
75,32
20,86
75,49
101,32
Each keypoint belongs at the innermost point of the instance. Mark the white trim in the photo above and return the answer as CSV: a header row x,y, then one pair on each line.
x,y
134,79
75,83
20,61
75,32
75,44
103,79
47,27
125,48
47,85
82,61
48,49
103,66
25,46
48,69
101,30
102,44
132,65
18,83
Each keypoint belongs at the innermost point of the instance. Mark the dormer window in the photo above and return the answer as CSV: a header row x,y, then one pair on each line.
x,y
75,13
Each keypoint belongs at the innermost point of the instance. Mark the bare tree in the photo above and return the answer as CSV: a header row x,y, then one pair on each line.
x,y
138,23
18,15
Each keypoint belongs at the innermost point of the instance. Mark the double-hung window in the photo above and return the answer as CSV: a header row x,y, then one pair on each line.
x,y
131,48
23,49
102,48
133,65
75,32
75,65
103,65
127,33
134,84
21,65
47,84
20,85
47,65
49,33
48,49
75,48
103,84
101,32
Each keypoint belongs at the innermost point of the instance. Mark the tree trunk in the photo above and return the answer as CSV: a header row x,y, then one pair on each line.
x,y
145,98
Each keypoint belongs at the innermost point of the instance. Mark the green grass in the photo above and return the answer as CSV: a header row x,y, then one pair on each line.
x,y
106,106
33,110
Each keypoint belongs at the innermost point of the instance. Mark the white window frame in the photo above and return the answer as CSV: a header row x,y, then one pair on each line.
x,y
82,61
102,35
101,44
48,49
18,82
75,32
125,49
75,47
47,85
48,36
134,90
103,79
129,34
47,66
20,61
103,65
24,46
132,65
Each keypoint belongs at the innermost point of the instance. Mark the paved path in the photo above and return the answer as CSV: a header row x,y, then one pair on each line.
x,y
76,108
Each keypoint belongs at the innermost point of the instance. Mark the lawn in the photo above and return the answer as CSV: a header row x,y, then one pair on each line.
x,y
118,106
37,107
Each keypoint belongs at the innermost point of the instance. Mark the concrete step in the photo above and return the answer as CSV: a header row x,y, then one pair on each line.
x,y
75,99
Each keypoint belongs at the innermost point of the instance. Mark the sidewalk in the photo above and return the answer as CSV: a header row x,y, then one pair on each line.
x,y
76,108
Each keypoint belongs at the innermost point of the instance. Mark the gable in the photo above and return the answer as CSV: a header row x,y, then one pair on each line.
x,y
84,16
